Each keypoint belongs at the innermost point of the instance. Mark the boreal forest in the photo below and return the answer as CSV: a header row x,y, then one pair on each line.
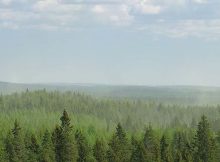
x,y
71,126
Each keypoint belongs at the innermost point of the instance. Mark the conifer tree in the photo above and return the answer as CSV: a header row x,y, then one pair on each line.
x,y
139,152
47,151
99,151
83,147
14,145
151,145
57,142
63,139
33,149
165,151
178,147
119,147
204,142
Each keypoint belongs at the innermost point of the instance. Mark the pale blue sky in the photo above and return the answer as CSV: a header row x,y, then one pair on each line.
x,y
141,42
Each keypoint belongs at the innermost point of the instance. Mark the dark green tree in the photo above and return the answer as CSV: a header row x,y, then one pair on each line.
x,y
99,151
182,149
151,145
139,152
204,142
165,150
57,142
33,149
14,145
119,147
63,139
83,147
47,151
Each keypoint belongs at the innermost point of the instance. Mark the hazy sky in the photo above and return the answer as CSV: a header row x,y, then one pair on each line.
x,y
144,42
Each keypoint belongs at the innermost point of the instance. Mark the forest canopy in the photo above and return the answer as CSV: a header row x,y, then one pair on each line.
x,y
105,129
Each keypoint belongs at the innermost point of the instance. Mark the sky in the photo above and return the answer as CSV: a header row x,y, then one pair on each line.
x,y
126,42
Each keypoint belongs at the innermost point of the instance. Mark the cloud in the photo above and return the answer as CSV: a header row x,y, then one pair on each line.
x,y
5,2
98,9
200,1
206,29
171,18
117,15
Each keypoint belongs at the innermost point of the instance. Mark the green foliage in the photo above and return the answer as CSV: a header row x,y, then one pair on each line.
x,y
47,149
205,144
33,149
93,139
119,146
65,147
14,145
99,151
151,145
165,150
138,151
83,147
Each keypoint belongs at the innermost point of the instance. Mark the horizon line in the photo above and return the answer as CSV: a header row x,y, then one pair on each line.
x,y
110,84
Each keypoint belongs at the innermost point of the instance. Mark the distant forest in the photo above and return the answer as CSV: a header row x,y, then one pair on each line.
x,y
74,127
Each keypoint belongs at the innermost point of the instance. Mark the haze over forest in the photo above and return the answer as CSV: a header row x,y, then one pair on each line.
x,y
109,81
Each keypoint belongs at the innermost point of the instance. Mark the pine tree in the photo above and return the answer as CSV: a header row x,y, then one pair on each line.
x,y
151,145
139,152
165,152
178,147
63,139
57,142
47,152
99,151
83,147
14,145
119,147
204,142
33,149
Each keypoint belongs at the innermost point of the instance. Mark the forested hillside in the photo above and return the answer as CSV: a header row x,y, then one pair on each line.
x,y
33,128
184,95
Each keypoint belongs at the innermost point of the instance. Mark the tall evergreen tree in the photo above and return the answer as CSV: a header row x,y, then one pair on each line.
x,y
33,149
204,142
119,147
165,151
151,145
83,147
14,145
99,151
57,142
47,151
182,149
63,139
139,152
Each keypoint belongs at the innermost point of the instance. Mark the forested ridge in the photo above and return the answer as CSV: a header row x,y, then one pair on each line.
x,y
33,128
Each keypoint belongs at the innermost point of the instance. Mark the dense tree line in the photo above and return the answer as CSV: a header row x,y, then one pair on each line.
x,y
67,144
132,114
105,130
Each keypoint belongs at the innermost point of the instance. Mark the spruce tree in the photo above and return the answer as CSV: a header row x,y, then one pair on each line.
x,y
99,151
165,151
83,147
204,142
33,149
178,147
151,145
57,142
119,147
14,145
47,151
63,139
139,152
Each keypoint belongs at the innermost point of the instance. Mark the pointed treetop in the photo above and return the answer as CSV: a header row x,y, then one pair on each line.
x,y
16,128
120,132
65,119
